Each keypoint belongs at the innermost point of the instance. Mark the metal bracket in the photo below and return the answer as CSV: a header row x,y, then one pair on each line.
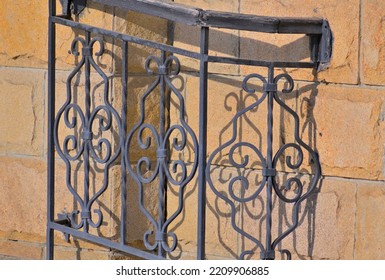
x,y
64,219
321,46
325,46
75,7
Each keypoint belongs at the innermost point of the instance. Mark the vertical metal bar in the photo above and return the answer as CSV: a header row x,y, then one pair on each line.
x,y
162,176
51,117
204,49
86,158
269,162
123,191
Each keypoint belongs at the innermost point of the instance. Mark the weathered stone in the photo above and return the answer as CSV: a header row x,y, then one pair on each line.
x,y
345,125
25,245
24,185
25,236
222,42
22,112
373,43
26,46
22,250
344,63
370,241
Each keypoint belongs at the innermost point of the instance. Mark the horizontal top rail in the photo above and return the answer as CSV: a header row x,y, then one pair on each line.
x,y
194,16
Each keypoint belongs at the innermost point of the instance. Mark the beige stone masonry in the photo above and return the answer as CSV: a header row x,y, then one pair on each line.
x,y
345,125
22,250
21,128
327,223
372,42
26,45
370,225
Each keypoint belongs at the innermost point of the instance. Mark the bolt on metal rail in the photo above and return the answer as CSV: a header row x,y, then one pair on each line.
x,y
85,144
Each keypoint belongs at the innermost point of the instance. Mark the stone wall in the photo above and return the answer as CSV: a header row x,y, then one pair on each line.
x,y
341,114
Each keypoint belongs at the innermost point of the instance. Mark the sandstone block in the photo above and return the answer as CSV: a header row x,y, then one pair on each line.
x,y
373,43
26,46
23,182
370,241
345,125
326,227
136,221
24,185
22,111
21,250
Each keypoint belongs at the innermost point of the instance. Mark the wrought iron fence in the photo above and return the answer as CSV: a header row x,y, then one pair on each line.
x,y
76,132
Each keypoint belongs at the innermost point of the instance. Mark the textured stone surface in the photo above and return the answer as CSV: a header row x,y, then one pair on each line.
x,y
21,250
22,113
373,44
25,45
370,241
327,223
344,63
24,187
346,126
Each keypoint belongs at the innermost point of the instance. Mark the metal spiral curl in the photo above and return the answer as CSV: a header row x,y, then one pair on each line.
x,y
293,183
83,140
146,171
244,181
